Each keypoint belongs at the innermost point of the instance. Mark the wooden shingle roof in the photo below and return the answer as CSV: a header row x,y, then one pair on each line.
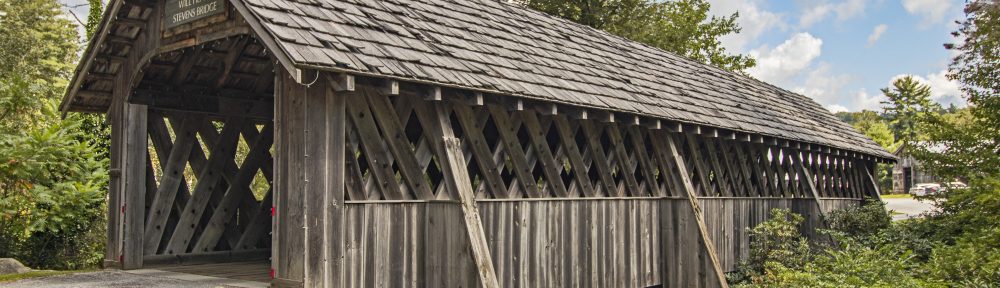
x,y
493,46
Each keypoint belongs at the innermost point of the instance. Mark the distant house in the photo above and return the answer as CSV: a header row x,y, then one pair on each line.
x,y
907,172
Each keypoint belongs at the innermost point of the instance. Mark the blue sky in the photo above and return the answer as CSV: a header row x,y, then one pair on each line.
x,y
839,52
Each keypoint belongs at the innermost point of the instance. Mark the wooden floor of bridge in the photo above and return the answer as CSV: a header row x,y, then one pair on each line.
x,y
235,274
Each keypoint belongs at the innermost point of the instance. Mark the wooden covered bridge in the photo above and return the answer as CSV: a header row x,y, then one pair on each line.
x,y
442,143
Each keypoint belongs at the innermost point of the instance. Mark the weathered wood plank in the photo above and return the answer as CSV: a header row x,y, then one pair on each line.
x,y
134,176
395,139
223,150
599,158
572,151
550,166
692,197
165,193
626,170
517,157
372,145
480,149
237,191
646,167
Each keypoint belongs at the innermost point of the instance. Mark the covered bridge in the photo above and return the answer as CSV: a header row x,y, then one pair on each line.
x,y
442,143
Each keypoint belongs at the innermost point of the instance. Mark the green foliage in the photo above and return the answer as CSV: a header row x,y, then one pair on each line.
x,y
862,223
52,177
52,197
93,16
774,244
680,26
908,100
37,51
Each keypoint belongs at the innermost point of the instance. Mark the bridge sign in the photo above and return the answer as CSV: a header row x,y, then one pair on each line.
x,y
179,12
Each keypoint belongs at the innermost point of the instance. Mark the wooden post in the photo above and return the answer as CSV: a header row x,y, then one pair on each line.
x,y
692,198
874,182
134,179
456,178
810,184
310,164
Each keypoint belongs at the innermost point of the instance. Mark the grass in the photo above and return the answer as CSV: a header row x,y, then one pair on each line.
x,y
897,196
36,274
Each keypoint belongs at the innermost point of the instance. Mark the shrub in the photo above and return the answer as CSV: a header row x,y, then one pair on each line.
x,y
776,242
52,197
864,223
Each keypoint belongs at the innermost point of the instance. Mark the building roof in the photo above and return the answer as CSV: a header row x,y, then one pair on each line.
x,y
505,49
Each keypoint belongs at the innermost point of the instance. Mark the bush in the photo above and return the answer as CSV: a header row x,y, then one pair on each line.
x,y
780,256
775,243
865,223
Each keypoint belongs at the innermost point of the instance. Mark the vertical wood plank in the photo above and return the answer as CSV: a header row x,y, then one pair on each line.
x,y
692,198
456,177
134,176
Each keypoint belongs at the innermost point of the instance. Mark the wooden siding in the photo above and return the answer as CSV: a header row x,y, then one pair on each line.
x,y
556,243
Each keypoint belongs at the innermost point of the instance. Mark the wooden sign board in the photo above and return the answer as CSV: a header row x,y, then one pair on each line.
x,y
180,12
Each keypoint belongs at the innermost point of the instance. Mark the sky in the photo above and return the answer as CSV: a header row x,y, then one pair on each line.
x,y
842,52
838,52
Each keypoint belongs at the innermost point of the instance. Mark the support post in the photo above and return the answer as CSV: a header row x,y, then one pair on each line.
x,y
134,178
810,183
874,182
309,189
456,178
692,198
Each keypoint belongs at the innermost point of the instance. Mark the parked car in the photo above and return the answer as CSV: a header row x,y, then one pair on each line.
x,y
925,189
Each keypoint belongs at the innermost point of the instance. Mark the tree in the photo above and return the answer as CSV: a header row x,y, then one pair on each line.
x,y
681,26
52,181
94,16
908,100
976,135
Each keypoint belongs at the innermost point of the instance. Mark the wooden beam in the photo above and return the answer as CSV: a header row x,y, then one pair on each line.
x,y
508,136
433,94
476,99
547,109
480,150
165,193
341,82
134,176
567,137
221,151
389,87
550,166
875,188
456,178
692,198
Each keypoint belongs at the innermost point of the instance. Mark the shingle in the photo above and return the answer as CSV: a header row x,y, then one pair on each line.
x,y
487,44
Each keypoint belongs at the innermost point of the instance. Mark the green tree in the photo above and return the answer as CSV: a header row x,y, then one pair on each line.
x,y
94,16
680,26
52,181
908,100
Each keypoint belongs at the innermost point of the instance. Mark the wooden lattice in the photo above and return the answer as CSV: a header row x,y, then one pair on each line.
x,y
513,153
217,210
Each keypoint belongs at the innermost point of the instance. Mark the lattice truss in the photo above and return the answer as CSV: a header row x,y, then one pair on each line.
x,y
526,153
208,184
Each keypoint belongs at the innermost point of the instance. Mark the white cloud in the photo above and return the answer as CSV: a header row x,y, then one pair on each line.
x,y
943,90
823,86
861,100
786,60
754,19
836,108
816,12
877,34
932,11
